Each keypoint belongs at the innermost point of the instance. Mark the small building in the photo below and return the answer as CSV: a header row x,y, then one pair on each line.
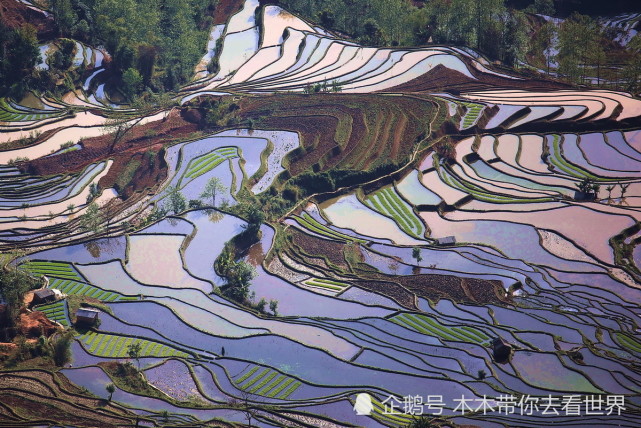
x,y
448,240
501,350
46,295
87,316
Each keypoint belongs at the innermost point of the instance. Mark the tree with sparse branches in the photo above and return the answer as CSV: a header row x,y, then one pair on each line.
x,y
121,122
134,352
213,187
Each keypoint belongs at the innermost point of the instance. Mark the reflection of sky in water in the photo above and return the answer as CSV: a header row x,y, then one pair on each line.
x,y
89,252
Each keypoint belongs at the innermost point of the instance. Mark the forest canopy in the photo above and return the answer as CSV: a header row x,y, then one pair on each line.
x,y
160,40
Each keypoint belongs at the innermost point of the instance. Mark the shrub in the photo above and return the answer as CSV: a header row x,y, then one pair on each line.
x,y
62,349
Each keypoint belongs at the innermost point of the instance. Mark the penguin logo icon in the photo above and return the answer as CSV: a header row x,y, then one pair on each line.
x,y
363,405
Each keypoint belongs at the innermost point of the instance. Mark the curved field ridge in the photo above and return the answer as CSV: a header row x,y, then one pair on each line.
x,y
418,205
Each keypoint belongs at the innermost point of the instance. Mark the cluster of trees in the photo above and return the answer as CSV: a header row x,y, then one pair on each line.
x,y
487,25
19,54
154,44
239,275
14,284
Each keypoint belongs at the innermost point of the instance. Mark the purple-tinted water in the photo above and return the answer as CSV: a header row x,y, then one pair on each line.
x,y
294,301
600,154
174,379
171,225
96,251
213,229
617,140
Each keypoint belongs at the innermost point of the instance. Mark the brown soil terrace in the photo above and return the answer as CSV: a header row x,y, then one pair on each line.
x,y
15,14
403,289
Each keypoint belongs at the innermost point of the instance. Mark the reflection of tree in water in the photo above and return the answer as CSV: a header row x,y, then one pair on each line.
x,y
215,216
93,248
97,248
256,254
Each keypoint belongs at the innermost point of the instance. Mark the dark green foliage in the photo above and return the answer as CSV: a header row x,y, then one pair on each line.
x,y
239,275
62,349
134,352
377,22
161,41
131,83
314,182
177,201
91,220
110,389
195,203
273,306
19,55
255,218
416,254
14,284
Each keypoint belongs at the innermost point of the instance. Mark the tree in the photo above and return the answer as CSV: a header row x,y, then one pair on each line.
x,y
545,40
176,200
514,38
609,188
14,284
62,348
273,306
416,253
131,83
134,351
239,277
244,405
579,35
120,123
19,55
91,220
255,218
544,7
624,188
65,16
212,188
110,389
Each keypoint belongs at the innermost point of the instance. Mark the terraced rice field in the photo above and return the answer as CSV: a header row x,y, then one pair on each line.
x,y
388,202
203,164
267,382
82,289
112,346
401,209
56,312
53,269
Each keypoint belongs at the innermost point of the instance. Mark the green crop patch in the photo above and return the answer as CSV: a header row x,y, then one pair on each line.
x,y
79,288
55,312
113,346
387,202
267,382
205,163
52,269
428,325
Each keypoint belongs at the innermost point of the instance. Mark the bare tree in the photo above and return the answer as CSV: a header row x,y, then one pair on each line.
x,y
121,122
